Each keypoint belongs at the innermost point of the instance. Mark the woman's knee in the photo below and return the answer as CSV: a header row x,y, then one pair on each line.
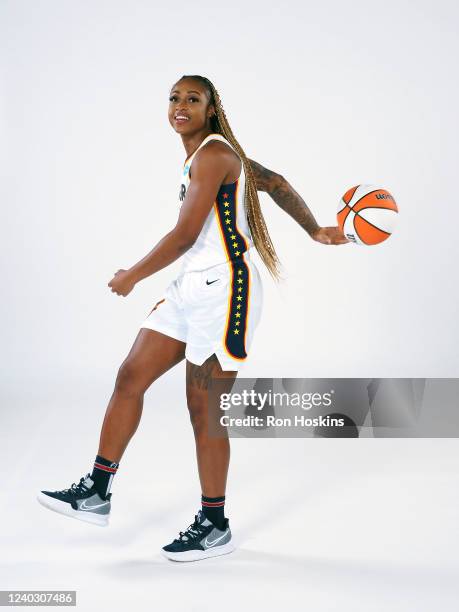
x,y
197,408
129,380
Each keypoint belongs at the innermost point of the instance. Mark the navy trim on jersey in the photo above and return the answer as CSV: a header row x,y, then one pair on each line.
x,y
235,246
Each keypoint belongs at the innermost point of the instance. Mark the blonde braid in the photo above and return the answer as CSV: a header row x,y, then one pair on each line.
x,y
258,229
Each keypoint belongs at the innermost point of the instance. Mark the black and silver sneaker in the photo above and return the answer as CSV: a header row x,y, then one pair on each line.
x,y
80,501
201,540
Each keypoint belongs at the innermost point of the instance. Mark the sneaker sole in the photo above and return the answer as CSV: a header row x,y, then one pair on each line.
x,y
197,555
66,509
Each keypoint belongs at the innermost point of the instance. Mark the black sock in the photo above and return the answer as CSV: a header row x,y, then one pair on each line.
x,y
214,510
102,475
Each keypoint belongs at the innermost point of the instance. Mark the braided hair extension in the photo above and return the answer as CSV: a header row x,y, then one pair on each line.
x,y
257,225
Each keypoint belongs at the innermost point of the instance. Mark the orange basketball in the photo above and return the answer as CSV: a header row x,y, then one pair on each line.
x,y
367,214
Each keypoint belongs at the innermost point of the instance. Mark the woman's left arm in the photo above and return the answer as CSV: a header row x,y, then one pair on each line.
x,y
280,190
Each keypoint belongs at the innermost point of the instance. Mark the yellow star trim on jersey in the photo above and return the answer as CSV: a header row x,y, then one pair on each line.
x,y
233,237
238,306
237,323
238,314
236,331
239,297
239,271
239,289
225,203
235,244
227,212
228,221
230,229
239,280
237,253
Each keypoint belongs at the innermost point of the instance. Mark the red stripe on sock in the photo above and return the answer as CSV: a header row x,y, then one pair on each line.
x,y
213,504
105,468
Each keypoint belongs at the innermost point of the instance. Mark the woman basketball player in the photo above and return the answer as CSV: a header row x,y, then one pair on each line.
x,y
207,315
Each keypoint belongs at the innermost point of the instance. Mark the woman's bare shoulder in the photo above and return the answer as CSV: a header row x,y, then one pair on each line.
x,y
219,154
217,147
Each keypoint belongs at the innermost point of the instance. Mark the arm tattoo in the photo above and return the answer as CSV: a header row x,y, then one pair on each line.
x,y
284,195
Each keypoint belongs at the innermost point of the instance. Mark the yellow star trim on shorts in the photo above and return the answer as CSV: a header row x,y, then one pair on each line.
x,y
230,229
235,244
238,306
239,271
239,280
237,323
228,221
238,314
233,237
239,289
237,253
227,212
225,203
239,297
236,331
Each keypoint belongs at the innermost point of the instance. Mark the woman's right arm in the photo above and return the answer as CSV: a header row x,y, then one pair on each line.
x,y
289,200
280,190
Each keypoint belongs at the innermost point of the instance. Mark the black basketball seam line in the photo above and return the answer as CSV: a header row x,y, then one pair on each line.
x,y
356,212
356,231
366,207
364,196
344,220
378,228
370,223
355,189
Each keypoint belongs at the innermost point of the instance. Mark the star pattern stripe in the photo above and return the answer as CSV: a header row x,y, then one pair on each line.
x,y
235,246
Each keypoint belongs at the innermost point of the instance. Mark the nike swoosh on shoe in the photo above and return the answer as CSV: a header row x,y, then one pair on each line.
x,y
85,507
213,542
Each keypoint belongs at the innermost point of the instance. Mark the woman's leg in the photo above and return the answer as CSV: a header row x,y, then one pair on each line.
x,y
213,453
151,355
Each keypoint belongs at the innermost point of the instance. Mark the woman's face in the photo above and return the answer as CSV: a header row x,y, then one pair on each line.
x,y
189,111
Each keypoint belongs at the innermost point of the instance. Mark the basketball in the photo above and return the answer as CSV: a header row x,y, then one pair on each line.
x,y
367,214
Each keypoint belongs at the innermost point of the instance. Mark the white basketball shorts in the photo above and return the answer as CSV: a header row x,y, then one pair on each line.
x,y
212,311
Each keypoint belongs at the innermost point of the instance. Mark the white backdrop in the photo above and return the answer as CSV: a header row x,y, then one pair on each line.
x,y
330,95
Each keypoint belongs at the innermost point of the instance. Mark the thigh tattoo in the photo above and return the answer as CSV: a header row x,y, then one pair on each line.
x,y
201,376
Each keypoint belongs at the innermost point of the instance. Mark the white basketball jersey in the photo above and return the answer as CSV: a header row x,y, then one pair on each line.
x,y
225,235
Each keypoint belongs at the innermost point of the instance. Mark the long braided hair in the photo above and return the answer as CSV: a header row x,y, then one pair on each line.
x,y
257,225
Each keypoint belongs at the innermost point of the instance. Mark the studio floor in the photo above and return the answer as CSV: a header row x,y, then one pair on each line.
x,y
320,524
